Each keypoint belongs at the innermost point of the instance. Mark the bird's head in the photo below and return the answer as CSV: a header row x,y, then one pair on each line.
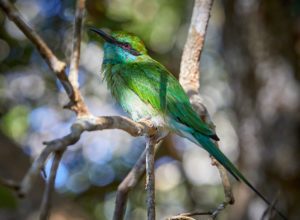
x,y
122,47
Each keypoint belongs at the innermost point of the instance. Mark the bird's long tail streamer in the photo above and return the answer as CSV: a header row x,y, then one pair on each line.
x,y
208,145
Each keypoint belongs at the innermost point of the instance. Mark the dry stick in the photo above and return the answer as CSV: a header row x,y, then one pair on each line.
x,y
187,216
189,66
76,98
268,214
46,202
73,76
57,66
128,183
189,79
150,178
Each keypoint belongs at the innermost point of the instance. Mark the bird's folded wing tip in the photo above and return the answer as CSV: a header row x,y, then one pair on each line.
x,y
215,137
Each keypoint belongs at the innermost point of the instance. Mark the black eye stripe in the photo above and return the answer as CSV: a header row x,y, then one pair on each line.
x,y
129,48
134,52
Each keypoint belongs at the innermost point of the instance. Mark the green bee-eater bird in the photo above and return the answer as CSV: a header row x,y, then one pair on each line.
x,y
147,90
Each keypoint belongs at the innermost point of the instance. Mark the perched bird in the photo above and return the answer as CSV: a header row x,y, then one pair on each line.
x,y
147,90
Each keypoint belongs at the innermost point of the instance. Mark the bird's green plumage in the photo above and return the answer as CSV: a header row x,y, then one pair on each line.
x,y
146,90
154,85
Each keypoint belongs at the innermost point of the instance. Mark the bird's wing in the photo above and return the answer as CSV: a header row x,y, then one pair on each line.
x,y
155,85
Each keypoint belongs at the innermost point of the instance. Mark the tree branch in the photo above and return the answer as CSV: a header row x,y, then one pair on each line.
x,y
90,123
127,184
150,177
46,202
189,67
57,66
76,43
189,78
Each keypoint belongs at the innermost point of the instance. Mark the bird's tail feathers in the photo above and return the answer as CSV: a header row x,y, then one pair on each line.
x,y
208,145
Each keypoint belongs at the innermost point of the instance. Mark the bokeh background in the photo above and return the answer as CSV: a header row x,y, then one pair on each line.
x,y
250,76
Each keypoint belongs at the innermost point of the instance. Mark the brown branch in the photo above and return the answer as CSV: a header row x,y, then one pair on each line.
x,y
212,214
188,215
150,178
90,123
73,76
189,79
57,66
128,183
46,202
189,67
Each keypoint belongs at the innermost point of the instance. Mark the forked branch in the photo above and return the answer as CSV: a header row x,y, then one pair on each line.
x,y
58,67
90,123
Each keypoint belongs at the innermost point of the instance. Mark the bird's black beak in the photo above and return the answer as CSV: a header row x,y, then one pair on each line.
x,y
105,36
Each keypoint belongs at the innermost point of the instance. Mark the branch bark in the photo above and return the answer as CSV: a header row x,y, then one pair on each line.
x,y
76,43
189,67
189,78
90,123
57,66
127,184
150,177
46,202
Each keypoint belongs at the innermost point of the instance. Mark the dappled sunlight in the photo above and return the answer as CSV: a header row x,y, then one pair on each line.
x,y
167,176
198,169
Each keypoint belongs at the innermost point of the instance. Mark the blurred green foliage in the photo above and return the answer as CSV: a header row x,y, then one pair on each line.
x,y
7,199
15,123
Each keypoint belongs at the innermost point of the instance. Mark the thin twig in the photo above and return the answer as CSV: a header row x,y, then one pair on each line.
x,y
229,198
180,217
202,111
268,213
46,202
212,214
150,178
188,215
57,66
73,76
127,184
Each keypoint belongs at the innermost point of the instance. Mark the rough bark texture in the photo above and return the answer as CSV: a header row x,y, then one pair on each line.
x,y
189,68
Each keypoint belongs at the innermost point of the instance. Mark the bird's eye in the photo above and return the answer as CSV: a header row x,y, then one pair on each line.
x,y
126,45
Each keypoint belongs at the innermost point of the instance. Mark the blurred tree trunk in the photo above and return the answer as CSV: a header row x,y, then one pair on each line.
x,y
260,53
